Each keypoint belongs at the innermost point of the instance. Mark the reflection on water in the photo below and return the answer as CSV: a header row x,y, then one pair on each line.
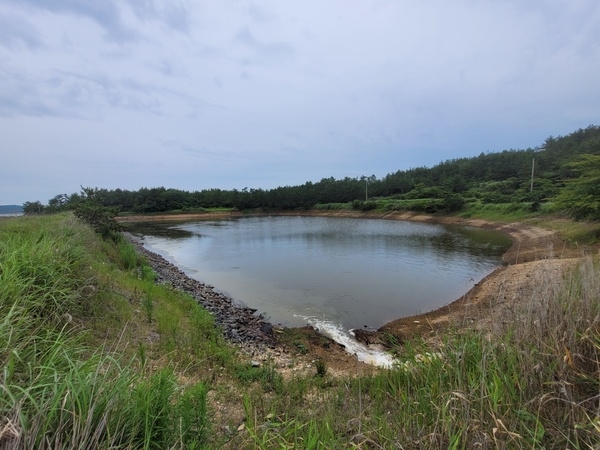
x,y
347,272
159,229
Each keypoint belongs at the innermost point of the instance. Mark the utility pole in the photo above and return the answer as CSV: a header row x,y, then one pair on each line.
x,y
366,189
532,171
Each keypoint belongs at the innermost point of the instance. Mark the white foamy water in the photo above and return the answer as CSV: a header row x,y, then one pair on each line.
x,y
342,336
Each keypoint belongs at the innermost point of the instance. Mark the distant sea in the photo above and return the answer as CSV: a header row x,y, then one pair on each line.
x,y
10,210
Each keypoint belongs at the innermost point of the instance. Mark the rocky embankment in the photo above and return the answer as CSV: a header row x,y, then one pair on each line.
x,y
239,323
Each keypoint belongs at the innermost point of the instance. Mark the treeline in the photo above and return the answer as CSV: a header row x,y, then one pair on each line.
x,y
498,177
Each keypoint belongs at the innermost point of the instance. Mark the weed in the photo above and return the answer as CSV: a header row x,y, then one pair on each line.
x,y
148,306
266,375
321,367
193,426
302,348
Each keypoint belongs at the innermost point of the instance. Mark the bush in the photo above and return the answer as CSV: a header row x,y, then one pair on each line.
x,y
100,218
428,205
453,202
364,206
332,206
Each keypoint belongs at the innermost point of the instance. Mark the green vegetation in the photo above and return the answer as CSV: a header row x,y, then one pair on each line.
x,y
581,194
559,176
101,218
86,364
68,378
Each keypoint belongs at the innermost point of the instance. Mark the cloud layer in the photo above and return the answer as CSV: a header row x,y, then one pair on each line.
x,y
196,95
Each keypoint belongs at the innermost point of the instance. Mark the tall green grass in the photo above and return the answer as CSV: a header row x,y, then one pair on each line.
x,y
56,391
499,212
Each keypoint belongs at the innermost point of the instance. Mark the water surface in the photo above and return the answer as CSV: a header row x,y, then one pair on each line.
x,y
334,273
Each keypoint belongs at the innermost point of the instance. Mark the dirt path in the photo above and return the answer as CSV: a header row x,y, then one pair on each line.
x,y
534,250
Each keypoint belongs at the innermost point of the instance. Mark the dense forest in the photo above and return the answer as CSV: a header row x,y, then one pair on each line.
x,y
564,171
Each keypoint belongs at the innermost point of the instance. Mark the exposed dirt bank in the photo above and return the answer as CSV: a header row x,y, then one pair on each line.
x,y
533,249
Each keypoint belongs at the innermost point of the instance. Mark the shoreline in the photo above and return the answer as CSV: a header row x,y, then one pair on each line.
x,y
529,244
238,322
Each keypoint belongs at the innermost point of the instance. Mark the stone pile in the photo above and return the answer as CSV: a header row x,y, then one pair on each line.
x,y
239,323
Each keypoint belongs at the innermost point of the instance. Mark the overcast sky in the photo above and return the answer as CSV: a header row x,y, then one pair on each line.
x,y
231,94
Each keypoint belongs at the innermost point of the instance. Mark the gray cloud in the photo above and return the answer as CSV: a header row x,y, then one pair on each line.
x,y
20,96
171,13
65,94
15,31
108,14
264,52
104,13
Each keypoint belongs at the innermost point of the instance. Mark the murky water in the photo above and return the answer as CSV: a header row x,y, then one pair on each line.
x,y
334,273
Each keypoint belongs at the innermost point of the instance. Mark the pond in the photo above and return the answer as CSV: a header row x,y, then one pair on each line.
x,y
336,274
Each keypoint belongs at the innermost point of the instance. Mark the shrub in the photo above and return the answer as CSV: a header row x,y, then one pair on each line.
x,y
364,205
100,218
321,367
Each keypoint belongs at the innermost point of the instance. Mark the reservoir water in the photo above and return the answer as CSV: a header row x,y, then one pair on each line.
x,y
333,273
